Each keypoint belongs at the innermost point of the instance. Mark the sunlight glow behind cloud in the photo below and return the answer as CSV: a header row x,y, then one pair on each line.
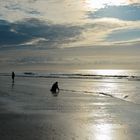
x,y
97,4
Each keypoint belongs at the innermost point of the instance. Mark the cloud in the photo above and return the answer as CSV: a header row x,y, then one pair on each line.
x,y
125,35
108,31
64,24
125,12
87,57
65,33
8,35
134,1
36,32
55,11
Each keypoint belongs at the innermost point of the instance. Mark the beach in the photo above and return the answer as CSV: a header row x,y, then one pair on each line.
x,y
29,111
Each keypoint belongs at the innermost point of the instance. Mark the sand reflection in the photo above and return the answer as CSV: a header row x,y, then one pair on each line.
x,y
106,131
103,132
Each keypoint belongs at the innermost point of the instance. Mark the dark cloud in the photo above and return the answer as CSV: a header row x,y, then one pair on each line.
x,y
7,36
127,12
22,32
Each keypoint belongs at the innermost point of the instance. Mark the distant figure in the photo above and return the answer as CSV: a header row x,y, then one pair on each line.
x,y
13,77
55,88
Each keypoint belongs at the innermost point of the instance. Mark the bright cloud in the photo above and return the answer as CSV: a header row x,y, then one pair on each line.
x,y
98,4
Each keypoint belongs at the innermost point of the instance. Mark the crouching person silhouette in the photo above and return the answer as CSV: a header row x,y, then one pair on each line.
x,y
55,88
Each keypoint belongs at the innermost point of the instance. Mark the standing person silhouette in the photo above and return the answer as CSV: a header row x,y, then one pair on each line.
x,y
13,77
55,88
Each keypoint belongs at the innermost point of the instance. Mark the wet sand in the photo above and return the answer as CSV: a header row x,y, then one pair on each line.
x,y
28,111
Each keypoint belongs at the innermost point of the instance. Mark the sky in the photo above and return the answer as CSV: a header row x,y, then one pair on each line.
x,y
69,34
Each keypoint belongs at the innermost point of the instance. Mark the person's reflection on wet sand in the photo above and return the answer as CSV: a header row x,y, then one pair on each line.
x,y
55,93
13,84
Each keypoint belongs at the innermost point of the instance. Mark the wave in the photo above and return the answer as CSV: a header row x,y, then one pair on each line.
x,y
124,98
73,76
81,76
